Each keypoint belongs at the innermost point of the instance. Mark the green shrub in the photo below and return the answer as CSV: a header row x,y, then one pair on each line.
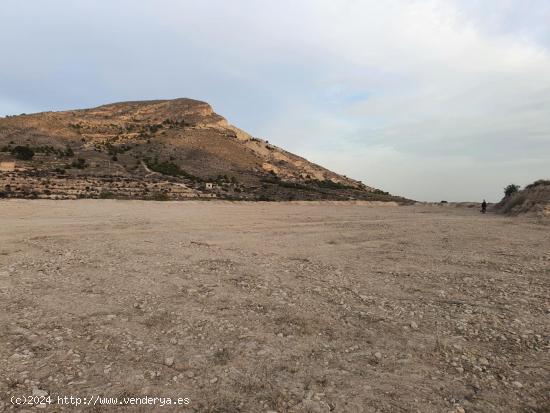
x,y
511,189
154,128
79,163
171,169
23,152
106,195
160,196
327,183
165,168
68,152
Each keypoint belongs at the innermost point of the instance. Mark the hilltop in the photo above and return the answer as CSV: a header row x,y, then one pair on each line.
x,y
162,149
534,198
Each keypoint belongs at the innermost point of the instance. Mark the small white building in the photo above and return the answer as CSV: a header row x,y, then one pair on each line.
x,y
209,185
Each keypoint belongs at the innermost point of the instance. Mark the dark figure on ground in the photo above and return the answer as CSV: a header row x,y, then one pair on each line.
x,y
483,207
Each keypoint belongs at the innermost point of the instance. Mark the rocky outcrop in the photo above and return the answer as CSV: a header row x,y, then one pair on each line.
x,y
182,141
534,198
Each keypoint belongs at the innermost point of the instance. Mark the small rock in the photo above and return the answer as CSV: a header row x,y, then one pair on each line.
x,y
36,392
169,361
483,361
414,326
378,355
517,384
213,380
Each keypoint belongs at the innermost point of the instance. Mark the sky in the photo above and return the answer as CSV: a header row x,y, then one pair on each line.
x,y
429,99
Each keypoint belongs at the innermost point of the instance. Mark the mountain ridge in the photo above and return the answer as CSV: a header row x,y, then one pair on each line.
x,y
162,147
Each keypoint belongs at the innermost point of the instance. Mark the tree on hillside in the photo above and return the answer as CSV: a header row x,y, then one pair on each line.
x,y
511,189
23,152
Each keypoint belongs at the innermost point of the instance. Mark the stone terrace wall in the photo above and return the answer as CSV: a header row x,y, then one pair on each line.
x,y
27,185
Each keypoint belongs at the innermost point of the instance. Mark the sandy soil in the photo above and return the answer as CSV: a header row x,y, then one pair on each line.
x,y
274,307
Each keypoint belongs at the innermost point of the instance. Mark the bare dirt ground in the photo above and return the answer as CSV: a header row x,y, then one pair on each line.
x,y
274,307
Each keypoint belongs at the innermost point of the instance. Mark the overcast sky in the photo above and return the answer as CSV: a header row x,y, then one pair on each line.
x,y
437,99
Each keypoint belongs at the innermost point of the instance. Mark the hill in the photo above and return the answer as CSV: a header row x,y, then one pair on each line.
x,y
534,198
163,149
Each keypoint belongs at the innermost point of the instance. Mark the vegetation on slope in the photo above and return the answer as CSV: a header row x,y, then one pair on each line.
x,y
533,198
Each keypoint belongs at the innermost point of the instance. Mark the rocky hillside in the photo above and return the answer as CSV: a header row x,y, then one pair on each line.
x,y
165,149
534,198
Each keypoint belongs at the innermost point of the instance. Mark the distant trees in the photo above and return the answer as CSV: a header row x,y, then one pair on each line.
x,y
68,151
511,189
23,152
170,168
79,163
27,152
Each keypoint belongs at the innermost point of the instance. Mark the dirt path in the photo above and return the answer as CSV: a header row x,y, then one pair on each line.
x,y
274,307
